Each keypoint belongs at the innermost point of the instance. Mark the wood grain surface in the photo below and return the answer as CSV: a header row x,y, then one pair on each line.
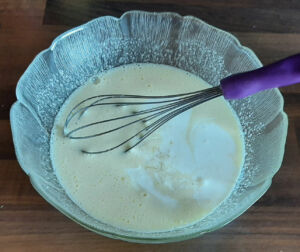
x,y
28,223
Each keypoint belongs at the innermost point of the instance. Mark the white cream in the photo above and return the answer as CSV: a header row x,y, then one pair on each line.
x,y
177,176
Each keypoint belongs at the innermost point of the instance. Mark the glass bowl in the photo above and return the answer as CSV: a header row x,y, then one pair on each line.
x,y
165,38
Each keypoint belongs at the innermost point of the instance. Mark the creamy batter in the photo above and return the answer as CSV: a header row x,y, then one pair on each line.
x,y
177,176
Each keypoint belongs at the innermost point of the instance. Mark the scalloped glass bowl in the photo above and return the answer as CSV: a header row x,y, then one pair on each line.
x,y
165,38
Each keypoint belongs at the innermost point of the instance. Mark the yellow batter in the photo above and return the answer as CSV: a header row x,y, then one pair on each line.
x,y
174,178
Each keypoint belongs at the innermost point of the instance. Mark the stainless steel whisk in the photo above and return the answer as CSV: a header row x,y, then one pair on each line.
x,y
282,73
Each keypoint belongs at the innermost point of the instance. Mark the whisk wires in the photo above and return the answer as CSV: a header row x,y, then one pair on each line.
x,y
164,109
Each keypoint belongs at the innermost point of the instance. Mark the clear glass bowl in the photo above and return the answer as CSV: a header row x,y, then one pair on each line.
x,y
166,38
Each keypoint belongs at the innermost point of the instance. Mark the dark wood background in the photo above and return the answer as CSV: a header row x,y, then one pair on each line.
x,y
27,223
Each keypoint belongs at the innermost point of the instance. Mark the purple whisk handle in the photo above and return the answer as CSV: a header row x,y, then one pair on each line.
x,y
279,74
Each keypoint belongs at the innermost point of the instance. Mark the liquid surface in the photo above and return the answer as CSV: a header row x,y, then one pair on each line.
x,y
177,176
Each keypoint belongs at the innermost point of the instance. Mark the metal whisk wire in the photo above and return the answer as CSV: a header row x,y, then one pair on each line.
x,y
168,107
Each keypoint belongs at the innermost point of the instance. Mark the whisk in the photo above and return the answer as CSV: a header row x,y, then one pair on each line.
x,y
160,109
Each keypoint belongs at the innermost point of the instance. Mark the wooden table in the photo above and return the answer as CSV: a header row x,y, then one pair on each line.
x,y
28,223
